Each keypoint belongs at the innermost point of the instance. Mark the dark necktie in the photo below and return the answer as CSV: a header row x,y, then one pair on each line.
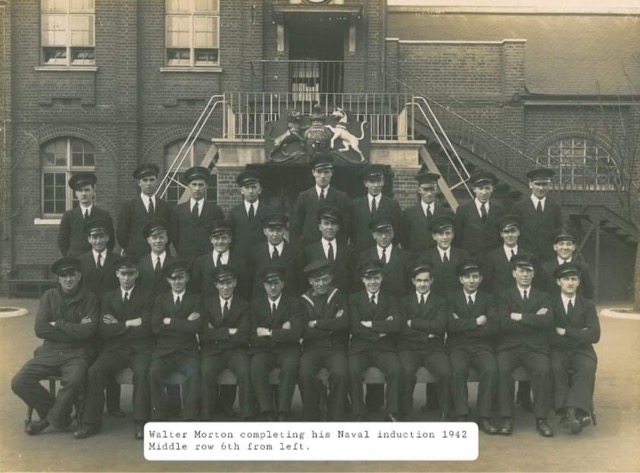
x,y
225,310
252,212
275,255
525,296
158,267
513,253
373,299
429,213
470,301
330,255
151,207
322,199
195,210
86,214
422,299
273,308
445,258
178,301
374,207
99,262
483,212
125,298
219,260
539,207
569,309
383,258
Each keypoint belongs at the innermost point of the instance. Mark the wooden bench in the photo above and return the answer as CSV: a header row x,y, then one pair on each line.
x,y
30,281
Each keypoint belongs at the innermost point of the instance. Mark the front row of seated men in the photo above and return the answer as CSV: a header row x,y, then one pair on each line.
x,y
198,337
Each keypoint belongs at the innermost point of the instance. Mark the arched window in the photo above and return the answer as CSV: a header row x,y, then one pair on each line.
x,y
61,158
194,157
581,164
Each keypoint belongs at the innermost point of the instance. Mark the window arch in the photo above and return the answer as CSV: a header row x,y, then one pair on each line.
x,y
581,164
61,158
194,157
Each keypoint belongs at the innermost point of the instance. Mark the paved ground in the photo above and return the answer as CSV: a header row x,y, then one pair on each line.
x,y
611,446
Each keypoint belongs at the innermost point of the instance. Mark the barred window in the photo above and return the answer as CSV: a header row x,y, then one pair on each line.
x,y
581,164
68,32
61,158
194,157
192,33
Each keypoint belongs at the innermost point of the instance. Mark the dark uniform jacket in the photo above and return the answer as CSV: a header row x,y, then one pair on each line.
x,y
260,258
247,232
98,280
395,280
67,311
343,265
118,336
202,282
214,334
148,279
289,310
537,230
304,221
361,237
190,235
72,240
415,233
132,218
365,338
445,274
428,323
583,327
331,331
473,234
533,330
497,272
180,334
548,282
463,331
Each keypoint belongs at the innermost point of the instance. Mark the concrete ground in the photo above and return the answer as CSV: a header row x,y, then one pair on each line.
x,y
611,446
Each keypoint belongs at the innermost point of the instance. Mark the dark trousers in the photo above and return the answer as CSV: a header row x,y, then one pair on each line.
x,y
485,364
161,369
437,363
537,366
386,361
70,365
211,366
311,361
261,365
575,390
102,371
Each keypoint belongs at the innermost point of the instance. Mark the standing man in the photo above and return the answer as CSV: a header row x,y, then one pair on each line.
x,y
125,327
421,339
498,261
326,336
365,209
471,326
304,228
175,321
151,279
476,222
224,343
190,220
245,217
577,330
526,321
137,212
539,215
66,320
72,240
416,220
276,330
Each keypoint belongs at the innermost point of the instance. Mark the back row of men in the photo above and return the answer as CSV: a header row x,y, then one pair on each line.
x,y
396,322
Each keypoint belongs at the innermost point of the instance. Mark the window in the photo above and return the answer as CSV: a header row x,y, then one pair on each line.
x,y
194,157
581,164
68,32
61,158
192,32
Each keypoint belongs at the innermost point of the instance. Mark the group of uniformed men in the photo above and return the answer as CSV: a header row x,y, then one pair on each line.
x,y
355,284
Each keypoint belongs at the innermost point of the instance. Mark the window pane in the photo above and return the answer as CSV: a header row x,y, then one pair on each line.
x,y
178,31
83,56
178,6
54,30
178,57
56,6
81,30
54,56
206,56
82,6
208,6
54,193
205,32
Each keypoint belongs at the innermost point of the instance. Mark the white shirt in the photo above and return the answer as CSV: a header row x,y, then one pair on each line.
x,y
325,247
128,293
535,201
566,300
249,204
508,250
375,295
102,257
84,210
146,199
472,296
276,302
479,204
223,302
522,289
176,295
562,261
387,252
326,190
377,198
425,295
279,247
430,206
200,202
444,252
224,257
154,258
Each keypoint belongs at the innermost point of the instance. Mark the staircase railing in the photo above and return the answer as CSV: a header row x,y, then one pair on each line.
x,y
183,152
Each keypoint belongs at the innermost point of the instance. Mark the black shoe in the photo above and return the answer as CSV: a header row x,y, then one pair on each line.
x,y
585,421
138,428
570,422
115,413
35,427
543,428
85,432
392,417
507,426
487,427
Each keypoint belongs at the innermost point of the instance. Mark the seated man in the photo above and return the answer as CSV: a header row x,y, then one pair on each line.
x,y
526,319
224,342
67,319
326,336
276,329
471,326
375,318
577,329
421,338
125,328
175,321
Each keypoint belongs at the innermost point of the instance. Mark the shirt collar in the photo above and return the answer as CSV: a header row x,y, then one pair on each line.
x,y
222,302
155,257
387,252
473,295
535,201
377,198
280,248
522,289
325,246
255,206
276,302
508,250
479,204
375,294
224,257
326,190
176,295
430,206
123,292
565,301
193,201
562,261
425,295
442,252
95,255
84,209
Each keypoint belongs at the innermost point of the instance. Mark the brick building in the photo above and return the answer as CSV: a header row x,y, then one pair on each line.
x,y
103,85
